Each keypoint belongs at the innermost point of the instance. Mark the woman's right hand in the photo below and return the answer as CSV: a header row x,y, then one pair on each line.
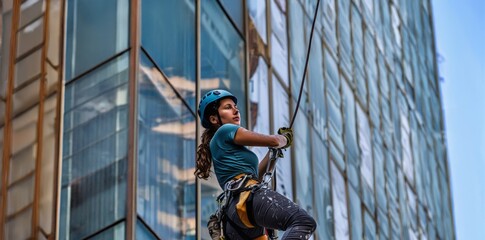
x,y
288,134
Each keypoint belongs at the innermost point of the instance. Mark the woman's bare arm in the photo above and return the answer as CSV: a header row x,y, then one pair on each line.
x,y
248,138
263,165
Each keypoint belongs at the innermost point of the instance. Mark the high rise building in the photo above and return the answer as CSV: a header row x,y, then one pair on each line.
x,y
99,125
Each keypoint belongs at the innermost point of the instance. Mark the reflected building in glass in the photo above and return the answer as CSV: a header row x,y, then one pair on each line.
x,y
99,125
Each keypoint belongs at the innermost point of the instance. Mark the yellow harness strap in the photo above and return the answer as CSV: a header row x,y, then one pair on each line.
x,y
241,205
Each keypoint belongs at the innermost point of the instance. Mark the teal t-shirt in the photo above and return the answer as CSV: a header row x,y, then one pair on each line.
x,y
230,159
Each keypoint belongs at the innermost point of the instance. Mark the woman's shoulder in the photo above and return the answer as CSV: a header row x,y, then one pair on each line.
x,y
228,127
227,130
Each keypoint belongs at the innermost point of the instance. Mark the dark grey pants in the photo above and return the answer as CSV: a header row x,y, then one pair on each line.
x,y
270,210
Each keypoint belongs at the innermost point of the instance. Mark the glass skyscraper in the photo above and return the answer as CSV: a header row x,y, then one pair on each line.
x,y
99,125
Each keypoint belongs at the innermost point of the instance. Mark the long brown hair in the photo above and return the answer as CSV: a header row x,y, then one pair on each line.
x,y
204,156
203,159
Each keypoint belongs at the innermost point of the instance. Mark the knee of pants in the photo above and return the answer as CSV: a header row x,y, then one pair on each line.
x,y
302,218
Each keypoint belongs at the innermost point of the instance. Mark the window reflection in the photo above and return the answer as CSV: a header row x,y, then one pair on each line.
x,y
304,178
95,31
407,161
345,48
259,104
329,19
320,172
298,45
168,35
21,178
279,41
370,227
93,193
367,165
166,143
222,54
355,209
339,204
235,10
280,109
351,146
257,13
6,28
115,232
142,232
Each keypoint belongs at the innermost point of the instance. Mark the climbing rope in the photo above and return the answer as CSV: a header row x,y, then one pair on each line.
x,y
306,65
277,153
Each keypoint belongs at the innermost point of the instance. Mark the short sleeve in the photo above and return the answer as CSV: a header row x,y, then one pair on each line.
x,y
227,132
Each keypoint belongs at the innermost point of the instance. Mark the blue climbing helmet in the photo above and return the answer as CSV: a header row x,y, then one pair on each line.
x,y
211,97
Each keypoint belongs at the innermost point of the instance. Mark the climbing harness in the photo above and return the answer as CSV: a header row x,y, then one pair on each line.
x,y
245,184
242,186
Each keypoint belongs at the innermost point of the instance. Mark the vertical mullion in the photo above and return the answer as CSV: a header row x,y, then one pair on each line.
x,y
58,123
8,113
246,64
40,123
198,129
132,115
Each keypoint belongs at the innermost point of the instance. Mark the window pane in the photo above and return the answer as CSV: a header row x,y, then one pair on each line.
x,y
329,15
350,123
115,232
142,233
27,68
279,42
30,37
24,145
317,86
54,29
283,166
235,10
95,31
47,174
5,48
345,48
20,195
357,39
26,97
303,176
298,45
367,166
279,59
355,209
30,10
222,54
340,204
257,13
168,35
93,193
259,104
370,227
407,161
323,204
18,226
166,143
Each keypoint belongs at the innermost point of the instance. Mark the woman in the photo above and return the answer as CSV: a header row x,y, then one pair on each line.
x,y
223,144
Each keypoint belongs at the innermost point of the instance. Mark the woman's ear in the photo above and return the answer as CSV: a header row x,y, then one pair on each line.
x,y
214,120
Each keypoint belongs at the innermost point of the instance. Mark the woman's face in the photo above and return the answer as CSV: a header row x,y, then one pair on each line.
x,y
228,112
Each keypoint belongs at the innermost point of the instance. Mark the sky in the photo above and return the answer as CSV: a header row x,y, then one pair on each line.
x,y
460,40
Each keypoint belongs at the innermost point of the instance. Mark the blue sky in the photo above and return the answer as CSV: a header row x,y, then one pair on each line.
x,y
460,39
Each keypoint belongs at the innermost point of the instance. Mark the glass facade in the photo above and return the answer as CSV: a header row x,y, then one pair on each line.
x,y
99,128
